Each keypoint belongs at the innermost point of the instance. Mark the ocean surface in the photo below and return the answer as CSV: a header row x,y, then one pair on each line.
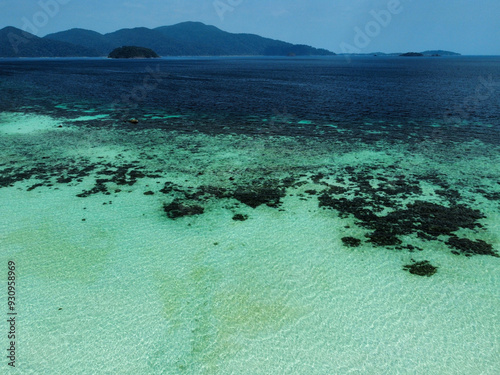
x,y
252,215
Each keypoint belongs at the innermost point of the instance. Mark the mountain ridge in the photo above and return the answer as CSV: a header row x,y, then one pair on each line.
x,y
191,39
17,43
182,39
185,39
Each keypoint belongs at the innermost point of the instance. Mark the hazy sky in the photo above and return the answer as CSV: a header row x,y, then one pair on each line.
x,y
465,26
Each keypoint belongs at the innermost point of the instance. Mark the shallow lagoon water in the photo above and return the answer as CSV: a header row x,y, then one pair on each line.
x,y
112,282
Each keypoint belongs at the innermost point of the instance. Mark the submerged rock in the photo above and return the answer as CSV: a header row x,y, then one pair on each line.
x,y
351,241
175,210
423,268
240,217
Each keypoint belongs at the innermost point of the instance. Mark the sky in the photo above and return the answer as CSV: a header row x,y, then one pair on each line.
x,y
470,27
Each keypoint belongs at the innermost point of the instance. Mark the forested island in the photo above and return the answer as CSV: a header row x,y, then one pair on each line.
x,y
412,54
132,52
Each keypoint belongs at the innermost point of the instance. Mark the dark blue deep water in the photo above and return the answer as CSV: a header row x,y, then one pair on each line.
x,y
395,97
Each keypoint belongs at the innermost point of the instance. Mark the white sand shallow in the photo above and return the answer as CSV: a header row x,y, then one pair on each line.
x,y
142,294
20,123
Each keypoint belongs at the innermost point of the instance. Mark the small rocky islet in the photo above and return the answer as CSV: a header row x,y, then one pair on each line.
x,y
132,52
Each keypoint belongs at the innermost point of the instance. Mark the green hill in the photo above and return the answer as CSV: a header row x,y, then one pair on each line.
x,y
209,40
185,39
89,39
17,43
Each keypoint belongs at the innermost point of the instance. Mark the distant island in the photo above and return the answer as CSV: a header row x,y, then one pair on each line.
x,y
183,39
433,53
440,53
412,54
132,52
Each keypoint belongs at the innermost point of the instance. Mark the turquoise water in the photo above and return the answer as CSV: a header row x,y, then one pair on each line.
x,y
115,281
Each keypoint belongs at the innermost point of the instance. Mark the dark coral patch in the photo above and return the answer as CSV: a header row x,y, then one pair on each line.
x,y
255,193
358,207
427,220
382,237
44,172
169,188
122,175
423,268
317,177
209,191
99,187
64,180
240,217
175,210
436,220
336,190
258,195
469,247
492,196
351,241
370,194
34,186
451,194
